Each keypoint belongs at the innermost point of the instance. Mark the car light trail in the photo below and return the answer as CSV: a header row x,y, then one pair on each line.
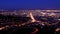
x,y
35,30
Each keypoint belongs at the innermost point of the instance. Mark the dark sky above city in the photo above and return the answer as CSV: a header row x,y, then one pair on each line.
x,y
29,4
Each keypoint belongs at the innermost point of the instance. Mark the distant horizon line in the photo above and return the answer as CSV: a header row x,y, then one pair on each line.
x,y
31,9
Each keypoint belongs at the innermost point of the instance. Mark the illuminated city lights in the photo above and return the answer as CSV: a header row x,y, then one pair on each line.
x,y
35,19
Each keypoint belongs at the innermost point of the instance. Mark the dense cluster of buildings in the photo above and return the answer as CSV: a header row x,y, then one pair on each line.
x,y
43,20
35,12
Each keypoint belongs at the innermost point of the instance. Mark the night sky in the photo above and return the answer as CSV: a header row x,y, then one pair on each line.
x,y
29,4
